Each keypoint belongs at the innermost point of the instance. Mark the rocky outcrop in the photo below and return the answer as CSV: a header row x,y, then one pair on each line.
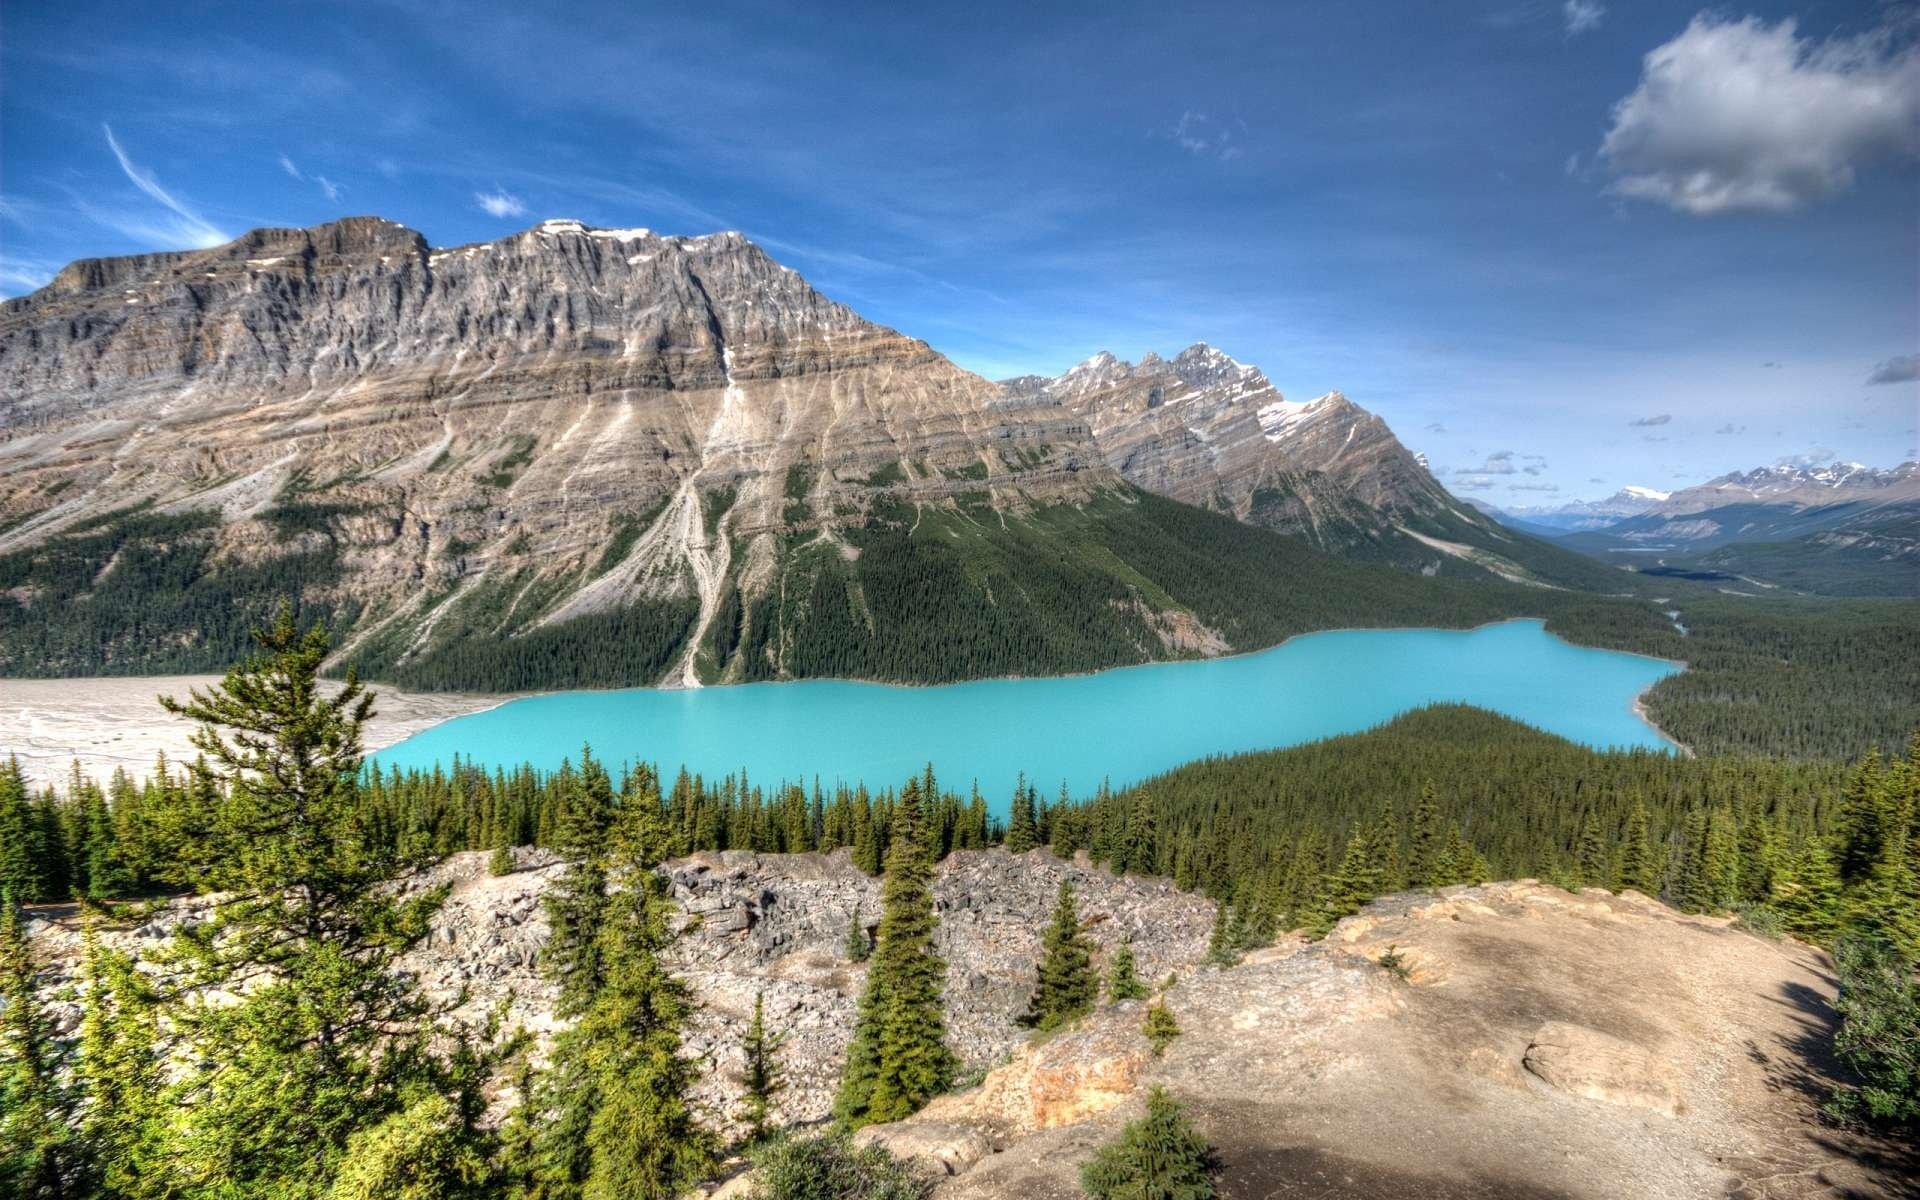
x,y
1542,1044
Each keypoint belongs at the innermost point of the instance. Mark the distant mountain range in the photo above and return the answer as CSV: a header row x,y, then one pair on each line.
x,y
1840,529
578,455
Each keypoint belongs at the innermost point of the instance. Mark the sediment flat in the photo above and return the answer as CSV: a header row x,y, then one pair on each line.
x,y
111,722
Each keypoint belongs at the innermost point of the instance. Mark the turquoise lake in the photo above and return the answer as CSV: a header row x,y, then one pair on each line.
x,y
1122,725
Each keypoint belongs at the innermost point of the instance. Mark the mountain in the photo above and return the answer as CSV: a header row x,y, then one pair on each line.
x,y
1578,515
1843,529
598,456
1213,432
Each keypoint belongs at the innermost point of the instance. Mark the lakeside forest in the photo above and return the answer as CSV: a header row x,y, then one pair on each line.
x,y
938,595
335,1077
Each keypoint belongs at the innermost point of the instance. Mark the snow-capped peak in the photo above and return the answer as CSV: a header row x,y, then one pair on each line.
x,y
1644,493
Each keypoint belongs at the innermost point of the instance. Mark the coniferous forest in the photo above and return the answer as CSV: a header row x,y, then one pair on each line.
x,y
338,1071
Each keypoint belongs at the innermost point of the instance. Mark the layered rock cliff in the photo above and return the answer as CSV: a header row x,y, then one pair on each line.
x,y
440,448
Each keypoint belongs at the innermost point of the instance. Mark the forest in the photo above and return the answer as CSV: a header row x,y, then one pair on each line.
x,y
332,1075
943,594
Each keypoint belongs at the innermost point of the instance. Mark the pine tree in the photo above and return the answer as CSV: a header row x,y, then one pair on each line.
x,y
1807,894
577,904
1590,854
761,1077
124,1124
337,1039
418,1153
1427,848
859,947
1122,983
1160,1027
1158,1157
1222,949
619,1124
1022,830
1638,868
21,874
1067,987
899,1058
1351,884
39,1156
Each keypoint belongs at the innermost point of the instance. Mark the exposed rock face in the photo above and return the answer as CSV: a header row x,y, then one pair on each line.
x,y
1210,431
776,926
493,408
1545,1044
492,439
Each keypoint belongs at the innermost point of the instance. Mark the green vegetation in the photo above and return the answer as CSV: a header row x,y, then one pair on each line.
x,y
899,1058
1158,1157
507,467
1122,983
828,1167
1067,986
1160,1027
761,1078
1879,1038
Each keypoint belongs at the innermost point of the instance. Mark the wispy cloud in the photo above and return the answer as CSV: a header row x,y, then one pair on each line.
x,y
188,226
1500,462
1901,368
1743,117
1206,136
1729,429
500,203
1648,422
328,187
286,164
1582,16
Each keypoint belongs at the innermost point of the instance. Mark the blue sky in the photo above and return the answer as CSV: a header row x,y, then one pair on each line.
x,y
1557,244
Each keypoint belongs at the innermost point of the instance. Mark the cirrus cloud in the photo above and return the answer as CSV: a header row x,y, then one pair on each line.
x,y
500,203
1743,117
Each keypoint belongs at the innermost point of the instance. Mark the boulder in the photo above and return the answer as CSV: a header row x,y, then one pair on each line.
x,y
938,1147
1597,1066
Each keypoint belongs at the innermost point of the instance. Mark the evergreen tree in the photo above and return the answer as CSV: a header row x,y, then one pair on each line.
x,y
1067,986
1807,894
1158,1157
418,1153
1223,950
1354,882
1879,1036
1638,868
761,1076
1427,849
125,1121
1022,830
1590,854
1160,1027
39,1156
899,1058
859,947
20,867
328,1035
1122,983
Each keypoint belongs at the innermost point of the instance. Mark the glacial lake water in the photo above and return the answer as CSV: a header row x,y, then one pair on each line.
x,y
1122,725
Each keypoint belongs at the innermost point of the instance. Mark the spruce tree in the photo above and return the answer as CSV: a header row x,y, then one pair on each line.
x,y
761,1077
1158,1157
1067,986
899,1058
618,1123
1590,854
1351,884
1222,949
1638,869
1022,829
119,1070
1122,983
328,1035
1427,848
21,870
859,948
40,1159
1807,894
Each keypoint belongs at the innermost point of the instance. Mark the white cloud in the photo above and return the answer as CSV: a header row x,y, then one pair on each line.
x,y
189,227
1204,136
1901,368
1645,422
286,164
500,203
1582,15
1740,117
328,186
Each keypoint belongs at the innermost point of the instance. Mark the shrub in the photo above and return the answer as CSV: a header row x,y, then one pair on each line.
x,y
830,1167
1159,1157
1396,962
1879,1037
1160,1028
